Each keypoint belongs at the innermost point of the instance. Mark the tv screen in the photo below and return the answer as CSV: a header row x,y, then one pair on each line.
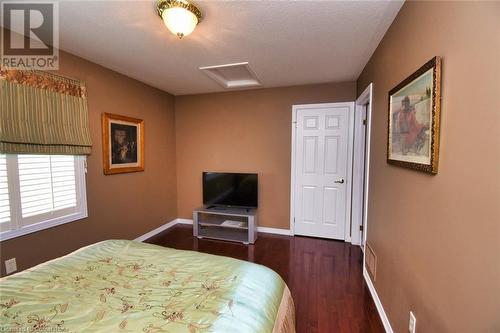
x,y
230,189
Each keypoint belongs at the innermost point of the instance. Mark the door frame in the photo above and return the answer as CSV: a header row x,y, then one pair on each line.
x,y
366,98
350,138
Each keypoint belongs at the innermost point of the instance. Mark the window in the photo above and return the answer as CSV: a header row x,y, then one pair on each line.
x,y
39,192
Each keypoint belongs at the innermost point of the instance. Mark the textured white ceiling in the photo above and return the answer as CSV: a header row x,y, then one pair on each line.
x,y
285,42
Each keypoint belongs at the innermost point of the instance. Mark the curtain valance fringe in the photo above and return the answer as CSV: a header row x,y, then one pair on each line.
x,y
43,113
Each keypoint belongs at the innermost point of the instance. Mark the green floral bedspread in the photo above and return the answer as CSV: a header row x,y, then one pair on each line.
x,y
126,286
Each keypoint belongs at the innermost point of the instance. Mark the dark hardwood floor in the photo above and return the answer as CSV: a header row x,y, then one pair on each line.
x,y
324,276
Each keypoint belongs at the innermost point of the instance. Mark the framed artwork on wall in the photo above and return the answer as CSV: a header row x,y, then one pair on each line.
x,y
414,113
122,144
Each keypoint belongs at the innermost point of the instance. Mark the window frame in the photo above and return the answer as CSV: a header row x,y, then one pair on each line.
x,y
45,220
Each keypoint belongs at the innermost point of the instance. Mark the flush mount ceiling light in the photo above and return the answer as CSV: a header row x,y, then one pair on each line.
x,y
180,16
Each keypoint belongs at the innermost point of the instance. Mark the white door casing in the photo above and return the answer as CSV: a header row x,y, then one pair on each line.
x,y
366,98
321,194
358,173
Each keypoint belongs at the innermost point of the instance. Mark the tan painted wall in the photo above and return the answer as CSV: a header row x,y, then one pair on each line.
x,y
119,206
437,237
245,131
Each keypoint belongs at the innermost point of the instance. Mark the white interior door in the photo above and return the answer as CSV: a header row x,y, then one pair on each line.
x,y
321,169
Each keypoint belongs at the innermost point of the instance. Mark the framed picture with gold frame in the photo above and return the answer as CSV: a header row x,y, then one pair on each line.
x,y
122,144
414,114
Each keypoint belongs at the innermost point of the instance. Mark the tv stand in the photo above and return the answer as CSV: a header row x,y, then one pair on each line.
x,y
226,223
224,208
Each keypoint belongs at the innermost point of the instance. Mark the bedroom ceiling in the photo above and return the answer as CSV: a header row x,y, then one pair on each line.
x,y
285,43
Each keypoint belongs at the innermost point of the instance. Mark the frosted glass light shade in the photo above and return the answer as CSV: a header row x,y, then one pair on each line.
x,y
179,21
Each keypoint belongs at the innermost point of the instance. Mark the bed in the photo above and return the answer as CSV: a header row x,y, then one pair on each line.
x,y
128,286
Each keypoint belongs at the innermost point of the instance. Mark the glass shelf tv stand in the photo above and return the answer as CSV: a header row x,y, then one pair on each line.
x,y
229,224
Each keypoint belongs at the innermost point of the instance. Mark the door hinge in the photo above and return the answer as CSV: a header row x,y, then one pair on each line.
x,y
361,228
364,122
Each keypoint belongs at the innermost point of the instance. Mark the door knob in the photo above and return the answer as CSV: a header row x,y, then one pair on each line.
x,y
340,181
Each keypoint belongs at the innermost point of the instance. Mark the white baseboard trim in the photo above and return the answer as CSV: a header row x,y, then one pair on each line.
x,y
275,231
184,221
378,304
188,221
156,231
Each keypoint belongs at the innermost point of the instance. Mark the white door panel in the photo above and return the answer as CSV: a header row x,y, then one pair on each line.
x,y
321,153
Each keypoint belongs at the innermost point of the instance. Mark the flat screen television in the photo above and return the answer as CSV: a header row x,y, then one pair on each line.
x,y
230,189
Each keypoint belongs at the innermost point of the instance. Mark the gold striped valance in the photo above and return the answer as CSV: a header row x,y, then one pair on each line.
x,y
45,80
43,113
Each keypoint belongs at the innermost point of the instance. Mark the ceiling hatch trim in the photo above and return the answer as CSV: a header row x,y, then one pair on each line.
x,y
231,76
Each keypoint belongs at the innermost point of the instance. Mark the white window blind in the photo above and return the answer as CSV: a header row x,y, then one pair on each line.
x,y
47,183
40,191
4,192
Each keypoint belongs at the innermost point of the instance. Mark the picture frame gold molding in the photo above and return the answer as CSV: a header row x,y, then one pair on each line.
x,y
432,168
108,170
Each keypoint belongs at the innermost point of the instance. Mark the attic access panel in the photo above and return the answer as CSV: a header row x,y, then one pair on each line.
x,y
238,75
